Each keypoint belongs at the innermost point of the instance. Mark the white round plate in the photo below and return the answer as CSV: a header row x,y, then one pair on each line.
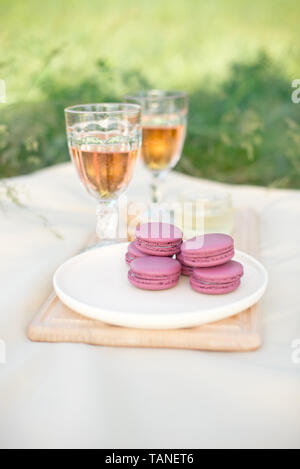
x,y
95,285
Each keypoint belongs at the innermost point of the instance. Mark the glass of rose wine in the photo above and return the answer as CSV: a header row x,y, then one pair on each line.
x,y
164,117
104,141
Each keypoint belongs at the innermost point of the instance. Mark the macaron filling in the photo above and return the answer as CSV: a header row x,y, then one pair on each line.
x,y
214,289
219,279
167,245
225,284
220,257
158,280
129,257
154,273
208,250
160,239
133,253
174,247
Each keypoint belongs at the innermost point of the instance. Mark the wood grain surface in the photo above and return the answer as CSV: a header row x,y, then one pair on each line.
x,y
55,322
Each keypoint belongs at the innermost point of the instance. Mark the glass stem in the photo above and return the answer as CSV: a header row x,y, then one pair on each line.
x,y
156,187
107,221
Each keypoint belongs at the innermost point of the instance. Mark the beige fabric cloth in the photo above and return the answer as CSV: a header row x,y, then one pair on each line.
x,y
73,395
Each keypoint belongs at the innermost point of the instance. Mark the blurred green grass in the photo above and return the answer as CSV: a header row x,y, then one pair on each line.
x,y
236,59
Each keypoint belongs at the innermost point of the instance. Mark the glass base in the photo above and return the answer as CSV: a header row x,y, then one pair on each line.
x,y
157,186
107,221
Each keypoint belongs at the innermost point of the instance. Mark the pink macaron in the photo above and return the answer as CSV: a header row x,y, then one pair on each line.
x,y
185,269
217,280
154,273
133,253
208,250
158,239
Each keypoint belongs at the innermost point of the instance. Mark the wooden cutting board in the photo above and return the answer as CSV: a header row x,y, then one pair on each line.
x,y
55,322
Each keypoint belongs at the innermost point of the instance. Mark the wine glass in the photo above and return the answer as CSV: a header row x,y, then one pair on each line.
x,y
164,116
104,141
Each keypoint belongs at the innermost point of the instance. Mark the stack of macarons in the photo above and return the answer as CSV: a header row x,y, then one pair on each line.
x,y
207,260
150,256
158,256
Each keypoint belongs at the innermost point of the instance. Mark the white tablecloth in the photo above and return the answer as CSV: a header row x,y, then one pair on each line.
x,y
73,395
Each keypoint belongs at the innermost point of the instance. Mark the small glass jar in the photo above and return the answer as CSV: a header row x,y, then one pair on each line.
x,y
207,211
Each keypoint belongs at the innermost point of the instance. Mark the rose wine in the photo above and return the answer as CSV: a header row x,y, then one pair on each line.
x,y
104,173
162,146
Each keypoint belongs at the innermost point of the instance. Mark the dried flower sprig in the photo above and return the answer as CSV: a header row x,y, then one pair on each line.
x,y
10,193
